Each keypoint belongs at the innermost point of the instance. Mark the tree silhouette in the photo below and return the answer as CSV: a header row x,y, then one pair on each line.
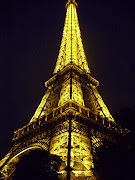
x,y
126,118
37,165
116,161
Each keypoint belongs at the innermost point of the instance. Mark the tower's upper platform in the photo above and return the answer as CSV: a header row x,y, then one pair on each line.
x,y
71,49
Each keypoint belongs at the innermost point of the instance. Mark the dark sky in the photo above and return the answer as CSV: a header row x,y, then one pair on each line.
x,y
30,37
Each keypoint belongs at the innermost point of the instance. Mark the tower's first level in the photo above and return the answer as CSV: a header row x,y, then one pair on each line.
x,y
51,133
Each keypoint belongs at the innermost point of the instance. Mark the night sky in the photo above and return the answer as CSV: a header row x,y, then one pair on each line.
x,y
30,37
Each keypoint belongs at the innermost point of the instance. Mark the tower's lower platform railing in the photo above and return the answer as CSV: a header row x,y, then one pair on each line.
x,y
85,113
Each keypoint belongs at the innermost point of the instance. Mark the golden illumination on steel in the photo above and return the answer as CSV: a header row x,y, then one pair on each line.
x,y
42,106
101,108
71,50
81,157
76,92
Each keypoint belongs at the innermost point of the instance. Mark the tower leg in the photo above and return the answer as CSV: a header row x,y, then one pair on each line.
x,y
69,151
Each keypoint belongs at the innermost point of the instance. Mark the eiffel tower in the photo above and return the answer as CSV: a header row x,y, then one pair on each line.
x,y
72,120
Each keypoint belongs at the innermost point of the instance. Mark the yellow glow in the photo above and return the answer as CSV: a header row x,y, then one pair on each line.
x,y
81,157
41,106
71,49
77,94
104,111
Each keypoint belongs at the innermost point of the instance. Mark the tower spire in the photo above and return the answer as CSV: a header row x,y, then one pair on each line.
x,y
71,1
71,49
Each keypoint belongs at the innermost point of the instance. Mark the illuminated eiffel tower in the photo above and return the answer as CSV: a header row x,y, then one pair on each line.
x,y
72,121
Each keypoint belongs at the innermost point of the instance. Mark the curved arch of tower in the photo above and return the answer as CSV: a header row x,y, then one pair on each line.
x,y
72,120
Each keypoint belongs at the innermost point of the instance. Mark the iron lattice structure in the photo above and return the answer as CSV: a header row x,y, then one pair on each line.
x,y
72,121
